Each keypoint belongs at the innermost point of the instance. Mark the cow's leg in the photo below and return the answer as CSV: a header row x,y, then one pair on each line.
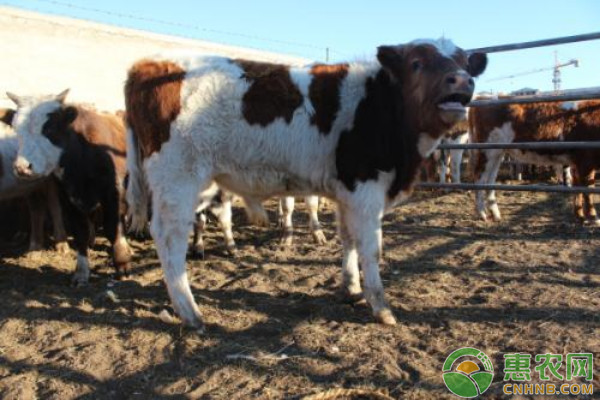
x,y
493,159
455,164
286,205
312,204
58,224
80,227
113,214
224,215
37,210
173,204
350,271
364,221
578,179
491,194
443,166
199,229
255,212
567,177
588,179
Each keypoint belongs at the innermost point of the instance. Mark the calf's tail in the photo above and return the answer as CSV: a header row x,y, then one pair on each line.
x,y
138,192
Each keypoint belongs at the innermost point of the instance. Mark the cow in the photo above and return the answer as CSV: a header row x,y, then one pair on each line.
x,y
353,132
85,149
532,123
40,194
451,160
285,211
219,205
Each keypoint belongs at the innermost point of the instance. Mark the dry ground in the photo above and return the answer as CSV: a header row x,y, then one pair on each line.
x,y
276,325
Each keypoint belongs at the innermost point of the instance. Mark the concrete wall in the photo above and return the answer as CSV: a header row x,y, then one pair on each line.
x,y
43,54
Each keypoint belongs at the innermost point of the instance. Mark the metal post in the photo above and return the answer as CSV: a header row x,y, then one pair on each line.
x,y
512,188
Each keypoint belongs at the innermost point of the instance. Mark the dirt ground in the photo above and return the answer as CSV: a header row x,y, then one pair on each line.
x,y
277,327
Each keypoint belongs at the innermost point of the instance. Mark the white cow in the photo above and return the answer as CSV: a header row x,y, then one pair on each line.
x,y
41,194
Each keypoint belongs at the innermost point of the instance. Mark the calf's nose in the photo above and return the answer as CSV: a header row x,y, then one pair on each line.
x,y
460,81
22,167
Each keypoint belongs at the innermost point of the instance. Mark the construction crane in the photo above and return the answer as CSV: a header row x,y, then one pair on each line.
x,y
555,75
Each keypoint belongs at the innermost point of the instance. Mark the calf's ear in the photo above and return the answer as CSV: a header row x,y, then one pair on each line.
x,y
62,96
69,114
477,64
15,99
390,57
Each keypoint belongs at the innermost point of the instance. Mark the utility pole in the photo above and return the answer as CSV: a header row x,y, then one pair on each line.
x,y
327,55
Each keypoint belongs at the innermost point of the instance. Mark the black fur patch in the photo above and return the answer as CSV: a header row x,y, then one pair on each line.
x,y
380,140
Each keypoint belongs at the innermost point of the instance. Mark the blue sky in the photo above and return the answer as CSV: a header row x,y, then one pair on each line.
x,y
353,29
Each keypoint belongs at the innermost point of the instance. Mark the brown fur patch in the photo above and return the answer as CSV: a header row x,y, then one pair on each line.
x,y
271,95
324,93
152,98
459,129
543,122
7,115
107,131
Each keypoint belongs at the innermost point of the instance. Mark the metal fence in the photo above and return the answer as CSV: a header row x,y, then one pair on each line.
x,y
564,95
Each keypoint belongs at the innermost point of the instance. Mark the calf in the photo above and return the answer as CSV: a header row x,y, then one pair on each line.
x,y
356,133
531,123
86,151
40,194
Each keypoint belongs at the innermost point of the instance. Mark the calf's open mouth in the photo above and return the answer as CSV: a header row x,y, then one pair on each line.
x,y
454,102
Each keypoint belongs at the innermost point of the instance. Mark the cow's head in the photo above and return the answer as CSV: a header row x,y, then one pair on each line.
x,y
433,80
40,123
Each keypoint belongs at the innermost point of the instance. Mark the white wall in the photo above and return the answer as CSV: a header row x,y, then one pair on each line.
x,y
43,54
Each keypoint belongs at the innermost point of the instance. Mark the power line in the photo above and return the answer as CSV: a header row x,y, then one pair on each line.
x,y
180,25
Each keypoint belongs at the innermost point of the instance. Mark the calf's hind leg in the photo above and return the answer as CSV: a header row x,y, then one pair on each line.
x,y
312,204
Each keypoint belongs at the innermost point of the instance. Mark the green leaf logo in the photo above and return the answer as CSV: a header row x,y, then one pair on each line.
x,y
468,372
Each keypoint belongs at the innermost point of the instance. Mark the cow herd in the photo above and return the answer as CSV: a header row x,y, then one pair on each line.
x,y
198,130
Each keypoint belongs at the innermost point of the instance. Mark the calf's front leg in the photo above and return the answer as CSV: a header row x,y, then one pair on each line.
x,y
363,221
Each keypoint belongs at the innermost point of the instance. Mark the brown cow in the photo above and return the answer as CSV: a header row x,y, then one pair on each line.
x,y
532,123
85,149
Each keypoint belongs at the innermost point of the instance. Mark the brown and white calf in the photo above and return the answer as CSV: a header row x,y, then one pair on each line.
x,y
356,133
532,123
40,194
85,149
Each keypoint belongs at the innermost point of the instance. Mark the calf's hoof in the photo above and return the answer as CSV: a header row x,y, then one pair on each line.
x,y
80,279
355,297
385,316
62,247
287,240
194,321
231,250
319,237
197,252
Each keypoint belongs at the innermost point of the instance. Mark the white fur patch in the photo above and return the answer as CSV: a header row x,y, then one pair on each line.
x,y
427,144
444,46
35,148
